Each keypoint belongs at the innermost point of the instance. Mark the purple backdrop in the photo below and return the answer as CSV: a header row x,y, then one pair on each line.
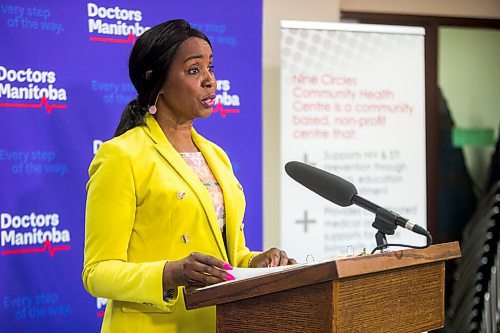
x,y
63,85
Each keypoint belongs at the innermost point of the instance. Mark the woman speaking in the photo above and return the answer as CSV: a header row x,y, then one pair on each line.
x,y
164,209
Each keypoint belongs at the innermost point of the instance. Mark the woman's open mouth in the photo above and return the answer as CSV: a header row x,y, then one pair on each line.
x,y
209,101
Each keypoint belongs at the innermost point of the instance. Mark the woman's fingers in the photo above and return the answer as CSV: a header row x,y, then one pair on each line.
x,y
277,257
201,270
283,258
207,260
195,270
274,255
197,279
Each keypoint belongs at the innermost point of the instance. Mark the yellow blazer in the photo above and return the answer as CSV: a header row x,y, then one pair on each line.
x,y
145,206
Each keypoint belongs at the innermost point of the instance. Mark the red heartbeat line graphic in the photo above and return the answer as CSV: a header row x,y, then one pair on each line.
x,y
43,102
130,39
224,112
46,247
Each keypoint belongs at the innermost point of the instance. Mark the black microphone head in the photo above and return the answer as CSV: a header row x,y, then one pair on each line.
x,y
327,185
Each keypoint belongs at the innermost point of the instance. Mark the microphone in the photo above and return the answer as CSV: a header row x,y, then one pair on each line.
x,y
343,193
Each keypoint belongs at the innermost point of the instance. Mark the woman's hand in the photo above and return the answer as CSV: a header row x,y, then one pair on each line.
x,y
196,270
271,258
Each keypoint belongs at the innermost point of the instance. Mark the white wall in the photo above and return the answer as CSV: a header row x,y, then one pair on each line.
x,y
274,11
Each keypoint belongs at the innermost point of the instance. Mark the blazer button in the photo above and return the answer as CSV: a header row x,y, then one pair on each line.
x,y
181,195
185,238
242,226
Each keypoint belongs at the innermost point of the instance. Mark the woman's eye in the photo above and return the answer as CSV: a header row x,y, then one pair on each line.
x,y
193,71
211,68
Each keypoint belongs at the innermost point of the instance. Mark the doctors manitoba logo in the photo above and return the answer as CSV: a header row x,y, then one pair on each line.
x,y
29,88
114,24
226,102
33,233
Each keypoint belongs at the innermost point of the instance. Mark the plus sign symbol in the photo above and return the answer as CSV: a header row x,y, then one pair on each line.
x,y
305,221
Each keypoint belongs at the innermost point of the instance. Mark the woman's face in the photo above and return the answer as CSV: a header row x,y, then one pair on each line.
x,y
189,89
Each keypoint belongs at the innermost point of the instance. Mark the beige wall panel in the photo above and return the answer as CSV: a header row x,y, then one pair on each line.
x,y
454,8
274,12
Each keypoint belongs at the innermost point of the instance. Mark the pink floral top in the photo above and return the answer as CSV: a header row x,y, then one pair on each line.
x,y
200,167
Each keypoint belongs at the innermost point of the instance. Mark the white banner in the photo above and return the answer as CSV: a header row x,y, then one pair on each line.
x,y
352,103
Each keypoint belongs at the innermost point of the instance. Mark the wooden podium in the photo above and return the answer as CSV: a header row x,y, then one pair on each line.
x,y
400,291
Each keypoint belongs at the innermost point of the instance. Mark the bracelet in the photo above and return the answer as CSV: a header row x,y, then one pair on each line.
x,y
168,294
250,260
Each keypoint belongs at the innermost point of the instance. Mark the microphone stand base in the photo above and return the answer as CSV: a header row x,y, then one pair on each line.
x,y
381,240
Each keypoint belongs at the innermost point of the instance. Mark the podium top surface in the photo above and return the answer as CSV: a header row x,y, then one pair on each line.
x,y
302,275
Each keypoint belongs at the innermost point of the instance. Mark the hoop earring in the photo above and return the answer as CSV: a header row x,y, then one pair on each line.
x,y
153,109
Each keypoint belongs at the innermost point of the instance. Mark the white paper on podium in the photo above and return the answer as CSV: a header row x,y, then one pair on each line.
x,y
248,273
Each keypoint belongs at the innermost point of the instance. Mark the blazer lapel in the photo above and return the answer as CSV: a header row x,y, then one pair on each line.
x,y
168,152
220,171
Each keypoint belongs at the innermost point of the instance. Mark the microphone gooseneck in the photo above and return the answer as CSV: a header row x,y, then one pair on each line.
x,y
344,193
